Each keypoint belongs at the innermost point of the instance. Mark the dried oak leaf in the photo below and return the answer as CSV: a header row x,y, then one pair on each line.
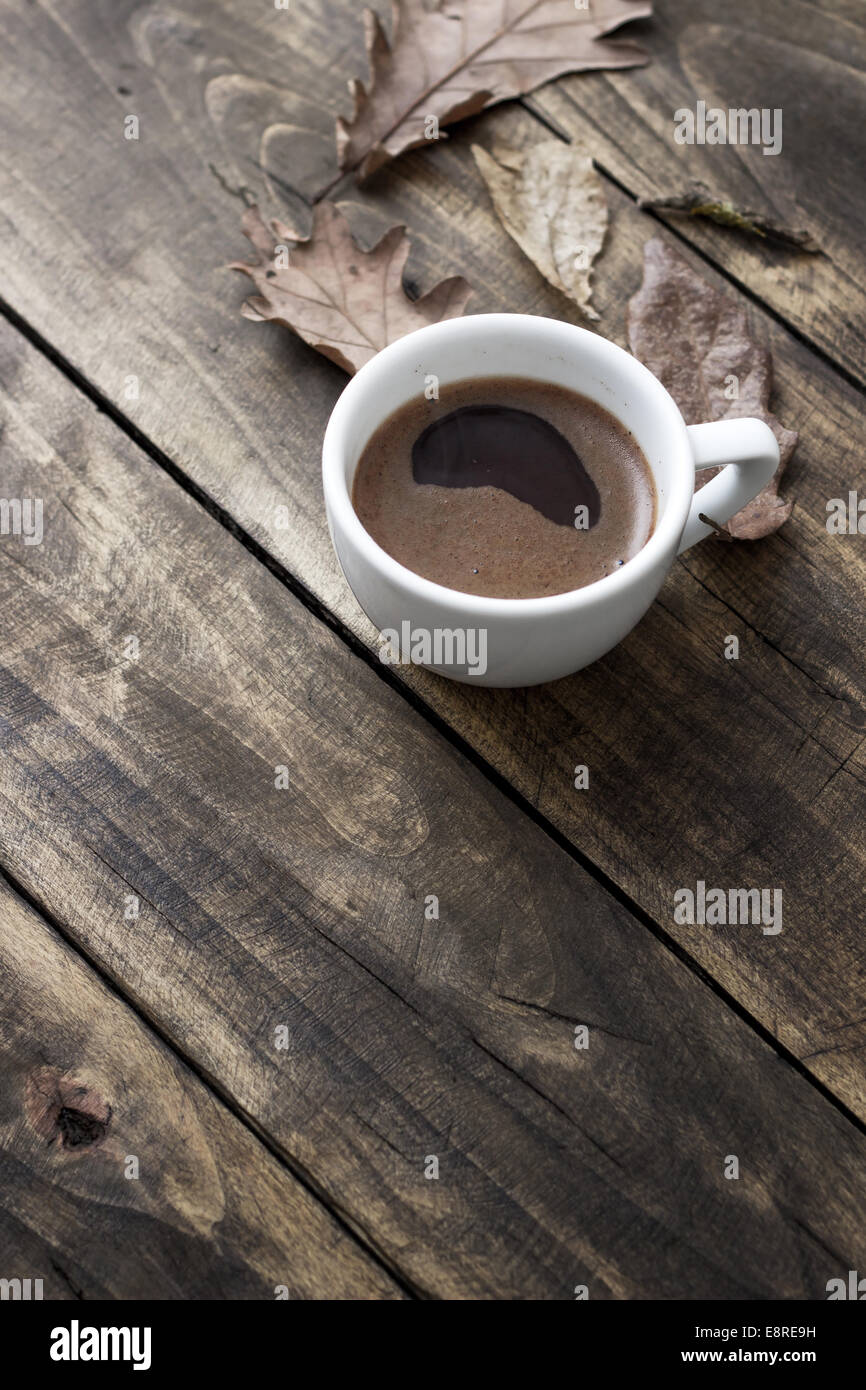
x,y
697,342
344,302
551,201
450,60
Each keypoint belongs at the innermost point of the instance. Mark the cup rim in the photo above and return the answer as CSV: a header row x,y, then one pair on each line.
x,y
371,377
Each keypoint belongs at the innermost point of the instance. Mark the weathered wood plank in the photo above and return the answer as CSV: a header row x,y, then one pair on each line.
x,y
809,62
258,90
148,771
87,1088
679,789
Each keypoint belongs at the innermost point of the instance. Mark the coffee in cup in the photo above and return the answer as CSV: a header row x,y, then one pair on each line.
x,y
506,487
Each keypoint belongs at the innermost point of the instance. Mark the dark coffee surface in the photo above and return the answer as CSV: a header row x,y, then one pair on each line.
x,y
480,489
489,445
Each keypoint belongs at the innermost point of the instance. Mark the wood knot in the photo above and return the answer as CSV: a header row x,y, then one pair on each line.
x,y
64,1111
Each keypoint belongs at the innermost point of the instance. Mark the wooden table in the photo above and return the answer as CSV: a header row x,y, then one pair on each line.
x,y
237,1045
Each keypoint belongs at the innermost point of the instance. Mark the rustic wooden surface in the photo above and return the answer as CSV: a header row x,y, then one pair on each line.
x,y
210,1214
807,60
304,907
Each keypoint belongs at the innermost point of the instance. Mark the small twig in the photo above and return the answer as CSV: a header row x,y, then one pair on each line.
x,y
698,201
719,530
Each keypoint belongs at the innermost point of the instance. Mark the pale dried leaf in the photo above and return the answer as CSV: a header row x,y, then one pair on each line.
x,y
695,340
451,60
551,201
344,302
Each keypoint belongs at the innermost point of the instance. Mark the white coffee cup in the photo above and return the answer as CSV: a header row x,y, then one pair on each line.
x,y
530,640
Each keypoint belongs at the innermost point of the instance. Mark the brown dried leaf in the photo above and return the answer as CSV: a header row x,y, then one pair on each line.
x,y
344,302
452,59
695,339
551,201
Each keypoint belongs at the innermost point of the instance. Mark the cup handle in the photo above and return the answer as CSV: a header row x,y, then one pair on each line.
x,y
751,453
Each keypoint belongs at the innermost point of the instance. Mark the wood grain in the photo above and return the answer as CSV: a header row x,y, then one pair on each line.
x,y
685,789
745,773
809,61
147,773
86,1089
